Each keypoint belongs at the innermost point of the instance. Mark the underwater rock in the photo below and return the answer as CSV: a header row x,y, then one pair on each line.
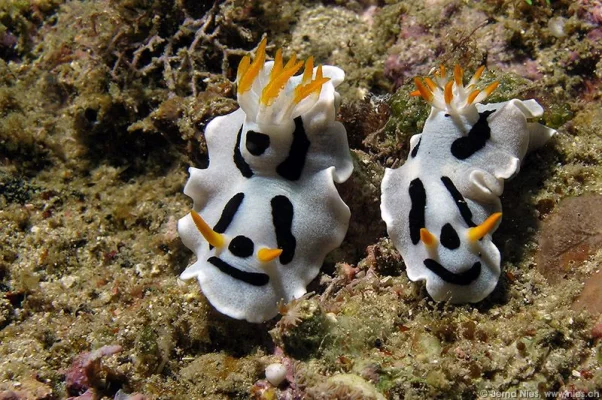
x,y
590,298
303,328
344,386
85,369
569,236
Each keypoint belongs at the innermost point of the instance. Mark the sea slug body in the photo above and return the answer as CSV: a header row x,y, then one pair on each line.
x,y
442,205
266,211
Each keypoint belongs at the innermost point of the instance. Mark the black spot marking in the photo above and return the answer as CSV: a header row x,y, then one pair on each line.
x,y
418,197
449,237
282,216
252,278
460,201
241,246
228,213
476,139
292,167
463,279
240,162
257,142
415,149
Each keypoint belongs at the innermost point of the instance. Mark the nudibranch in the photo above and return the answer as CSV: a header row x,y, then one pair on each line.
x,y
266,211
442,206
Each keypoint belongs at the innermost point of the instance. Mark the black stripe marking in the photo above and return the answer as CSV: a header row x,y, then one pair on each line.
x,y
241,246
460,201
415,149
252,278
239,161
418,198
257,142
478,136
292,167
449,237
228,213
282,216
463,279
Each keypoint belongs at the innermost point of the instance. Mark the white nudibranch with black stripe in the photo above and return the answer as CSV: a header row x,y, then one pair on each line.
x,y
266,211
442,205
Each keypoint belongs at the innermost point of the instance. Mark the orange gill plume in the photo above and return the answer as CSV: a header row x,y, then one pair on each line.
x,y
449,92
279,76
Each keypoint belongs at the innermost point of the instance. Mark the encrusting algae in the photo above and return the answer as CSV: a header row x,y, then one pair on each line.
x,y
103,106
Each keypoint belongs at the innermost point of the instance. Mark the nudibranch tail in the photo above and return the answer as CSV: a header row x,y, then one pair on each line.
x,y
266,255
449,94
215,239
478,232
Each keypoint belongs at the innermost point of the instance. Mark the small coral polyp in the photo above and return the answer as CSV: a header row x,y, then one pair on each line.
x,y
266,211
442,206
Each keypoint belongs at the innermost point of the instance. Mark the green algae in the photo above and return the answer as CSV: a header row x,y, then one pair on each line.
x,y
101,112
303,332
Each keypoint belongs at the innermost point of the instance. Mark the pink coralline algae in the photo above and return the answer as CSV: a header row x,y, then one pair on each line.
x,y
406,60
84,371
